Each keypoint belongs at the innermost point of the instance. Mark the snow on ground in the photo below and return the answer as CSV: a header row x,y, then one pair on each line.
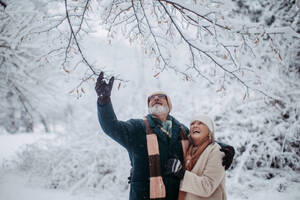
x,y
16,185
11,144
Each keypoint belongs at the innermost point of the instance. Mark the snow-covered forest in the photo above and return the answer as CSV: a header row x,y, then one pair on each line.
x,y
237,61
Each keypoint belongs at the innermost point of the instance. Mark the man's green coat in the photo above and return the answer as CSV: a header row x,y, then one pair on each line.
x,y
131,134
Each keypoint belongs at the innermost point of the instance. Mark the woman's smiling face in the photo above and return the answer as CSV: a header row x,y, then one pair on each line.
x,y
199,132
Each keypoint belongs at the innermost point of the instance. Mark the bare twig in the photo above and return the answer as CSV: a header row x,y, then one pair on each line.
x,y
154,37
82,16
73,35
192,46
182,9
136,17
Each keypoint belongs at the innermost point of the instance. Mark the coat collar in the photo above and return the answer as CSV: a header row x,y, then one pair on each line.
x,y
155,125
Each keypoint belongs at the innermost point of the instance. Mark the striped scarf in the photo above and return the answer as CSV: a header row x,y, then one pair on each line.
x,y
157,186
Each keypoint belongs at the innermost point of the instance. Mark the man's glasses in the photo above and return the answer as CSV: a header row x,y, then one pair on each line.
x,y
157,95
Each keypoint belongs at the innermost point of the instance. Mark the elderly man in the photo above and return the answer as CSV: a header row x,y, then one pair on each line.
x,y
150,142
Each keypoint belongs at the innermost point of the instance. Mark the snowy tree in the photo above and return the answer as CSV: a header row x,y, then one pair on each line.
x,y
276,14
208,37
218,46
29,50
213,44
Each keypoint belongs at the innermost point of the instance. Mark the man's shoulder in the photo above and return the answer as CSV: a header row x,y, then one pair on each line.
x,y
174,120
178,123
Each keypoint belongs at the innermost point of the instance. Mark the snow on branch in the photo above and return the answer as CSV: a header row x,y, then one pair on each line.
x,y
76,14
206,31
74,34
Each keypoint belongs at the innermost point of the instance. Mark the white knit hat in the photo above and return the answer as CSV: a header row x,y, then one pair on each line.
x,y
208,122
168,98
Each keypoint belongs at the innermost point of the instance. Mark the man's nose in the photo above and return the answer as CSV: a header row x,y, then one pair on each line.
x,y
156,98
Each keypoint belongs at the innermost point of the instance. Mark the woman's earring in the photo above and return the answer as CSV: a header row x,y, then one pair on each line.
x,y
209,137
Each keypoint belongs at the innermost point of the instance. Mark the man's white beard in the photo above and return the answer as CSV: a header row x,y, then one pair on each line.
x,y
158,109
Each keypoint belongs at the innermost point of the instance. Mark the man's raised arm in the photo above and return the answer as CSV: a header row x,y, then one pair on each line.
x,y
117,130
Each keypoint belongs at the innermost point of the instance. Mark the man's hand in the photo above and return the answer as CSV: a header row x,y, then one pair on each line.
x,y
175,168
229,153
103,89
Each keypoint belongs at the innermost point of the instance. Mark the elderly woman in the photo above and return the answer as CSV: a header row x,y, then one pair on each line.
x,y
202,174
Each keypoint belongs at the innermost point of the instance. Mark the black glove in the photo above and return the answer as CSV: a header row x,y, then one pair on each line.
x,y
229,154
175,168
103,89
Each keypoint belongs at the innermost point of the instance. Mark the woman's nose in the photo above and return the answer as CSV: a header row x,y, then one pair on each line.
x,y
196,125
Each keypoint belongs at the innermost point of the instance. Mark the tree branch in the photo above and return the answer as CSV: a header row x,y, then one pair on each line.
x,y
192,46
73,35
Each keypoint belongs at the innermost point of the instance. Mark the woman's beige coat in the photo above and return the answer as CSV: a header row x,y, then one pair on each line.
x,y
207,178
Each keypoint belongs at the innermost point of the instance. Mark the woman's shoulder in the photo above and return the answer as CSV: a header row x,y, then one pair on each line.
x,y
215,149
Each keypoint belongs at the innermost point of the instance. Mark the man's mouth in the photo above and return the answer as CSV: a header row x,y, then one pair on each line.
x,y
157,103
196,132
